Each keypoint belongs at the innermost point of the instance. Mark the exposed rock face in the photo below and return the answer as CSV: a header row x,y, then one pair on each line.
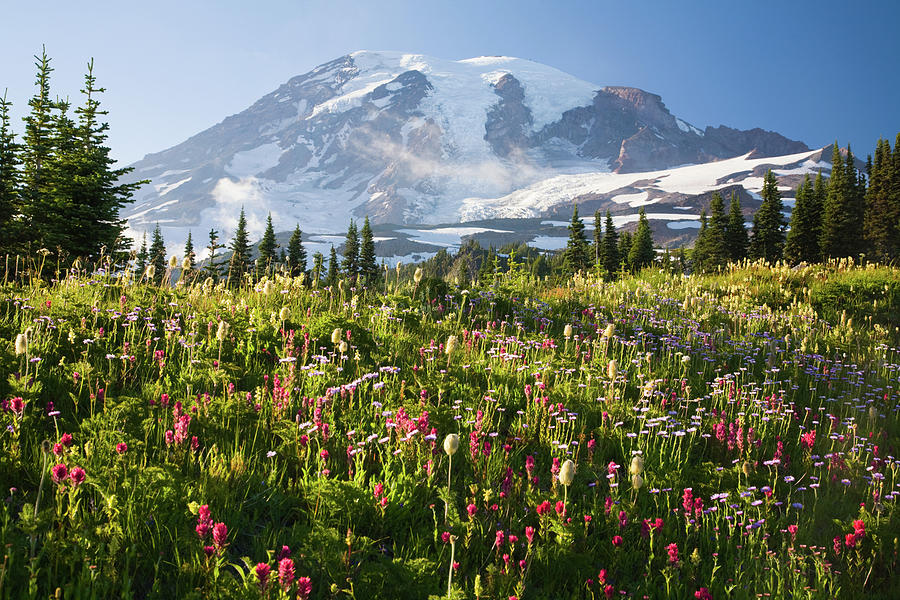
x,y
407,139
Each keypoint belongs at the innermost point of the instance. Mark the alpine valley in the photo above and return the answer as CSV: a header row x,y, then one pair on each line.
x,y
436,150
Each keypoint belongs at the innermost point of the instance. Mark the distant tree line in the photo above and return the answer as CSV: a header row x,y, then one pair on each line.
x,y
60,193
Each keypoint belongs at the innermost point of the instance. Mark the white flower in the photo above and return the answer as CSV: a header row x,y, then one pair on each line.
x,y
613,369
451,443
418,275
336,336
637,465
567,473
451,345
567,332
285,313
636,481
21,344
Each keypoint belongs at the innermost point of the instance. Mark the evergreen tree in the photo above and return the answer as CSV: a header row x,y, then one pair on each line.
x,y
97,193
157,255
142,256
296,255
318,267
38,149
212,268
331,278
612,261
802,242
368,267
767,241
189,251
882,216
641,253
716,241
240,252
624,249
576,255
735,231
350,264
267,247
700,254
9,177
842,217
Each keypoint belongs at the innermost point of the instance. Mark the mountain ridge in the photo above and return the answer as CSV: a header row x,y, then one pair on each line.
x,y
406,139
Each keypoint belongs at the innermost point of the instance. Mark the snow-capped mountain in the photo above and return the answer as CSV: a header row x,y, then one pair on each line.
x,y
410,139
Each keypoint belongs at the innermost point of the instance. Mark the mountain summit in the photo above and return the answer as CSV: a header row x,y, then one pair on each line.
x,y
406,138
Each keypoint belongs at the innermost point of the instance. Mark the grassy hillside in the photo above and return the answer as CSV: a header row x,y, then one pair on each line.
x,y
731,436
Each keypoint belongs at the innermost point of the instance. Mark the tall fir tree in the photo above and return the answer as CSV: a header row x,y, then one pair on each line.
x,y
267,248
718,254
842,217
213,269
350,264
368,267
736,237
98,192
296,254
36,183
9,178
576,256
882,217
157,255
700,253
612,260
767,241
240,262
331,278
802,241
641,253
189,253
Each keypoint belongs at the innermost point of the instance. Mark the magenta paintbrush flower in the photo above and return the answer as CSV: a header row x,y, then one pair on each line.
x,y
77,476
286,572
59,473
220,535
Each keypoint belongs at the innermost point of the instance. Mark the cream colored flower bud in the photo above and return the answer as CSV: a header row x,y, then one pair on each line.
x,y
613,369
151,271
418,275
451,444
567,332
336,336
610,331
269,288
637,465
567,473
186,263
21,344
222,331
636,481
285,313
173,262
342,347
451,345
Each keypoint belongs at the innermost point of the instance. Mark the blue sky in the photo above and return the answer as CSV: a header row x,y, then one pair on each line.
x,y
813,71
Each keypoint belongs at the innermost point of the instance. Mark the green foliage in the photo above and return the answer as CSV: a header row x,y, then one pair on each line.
x,y
297,254
240,261
267,248
641,253
735,231
576,257
767,240
368,268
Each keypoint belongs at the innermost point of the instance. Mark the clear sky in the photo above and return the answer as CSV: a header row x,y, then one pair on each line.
x,y
812,70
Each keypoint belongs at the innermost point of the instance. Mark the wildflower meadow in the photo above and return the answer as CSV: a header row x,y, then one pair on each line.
x,y
731,435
